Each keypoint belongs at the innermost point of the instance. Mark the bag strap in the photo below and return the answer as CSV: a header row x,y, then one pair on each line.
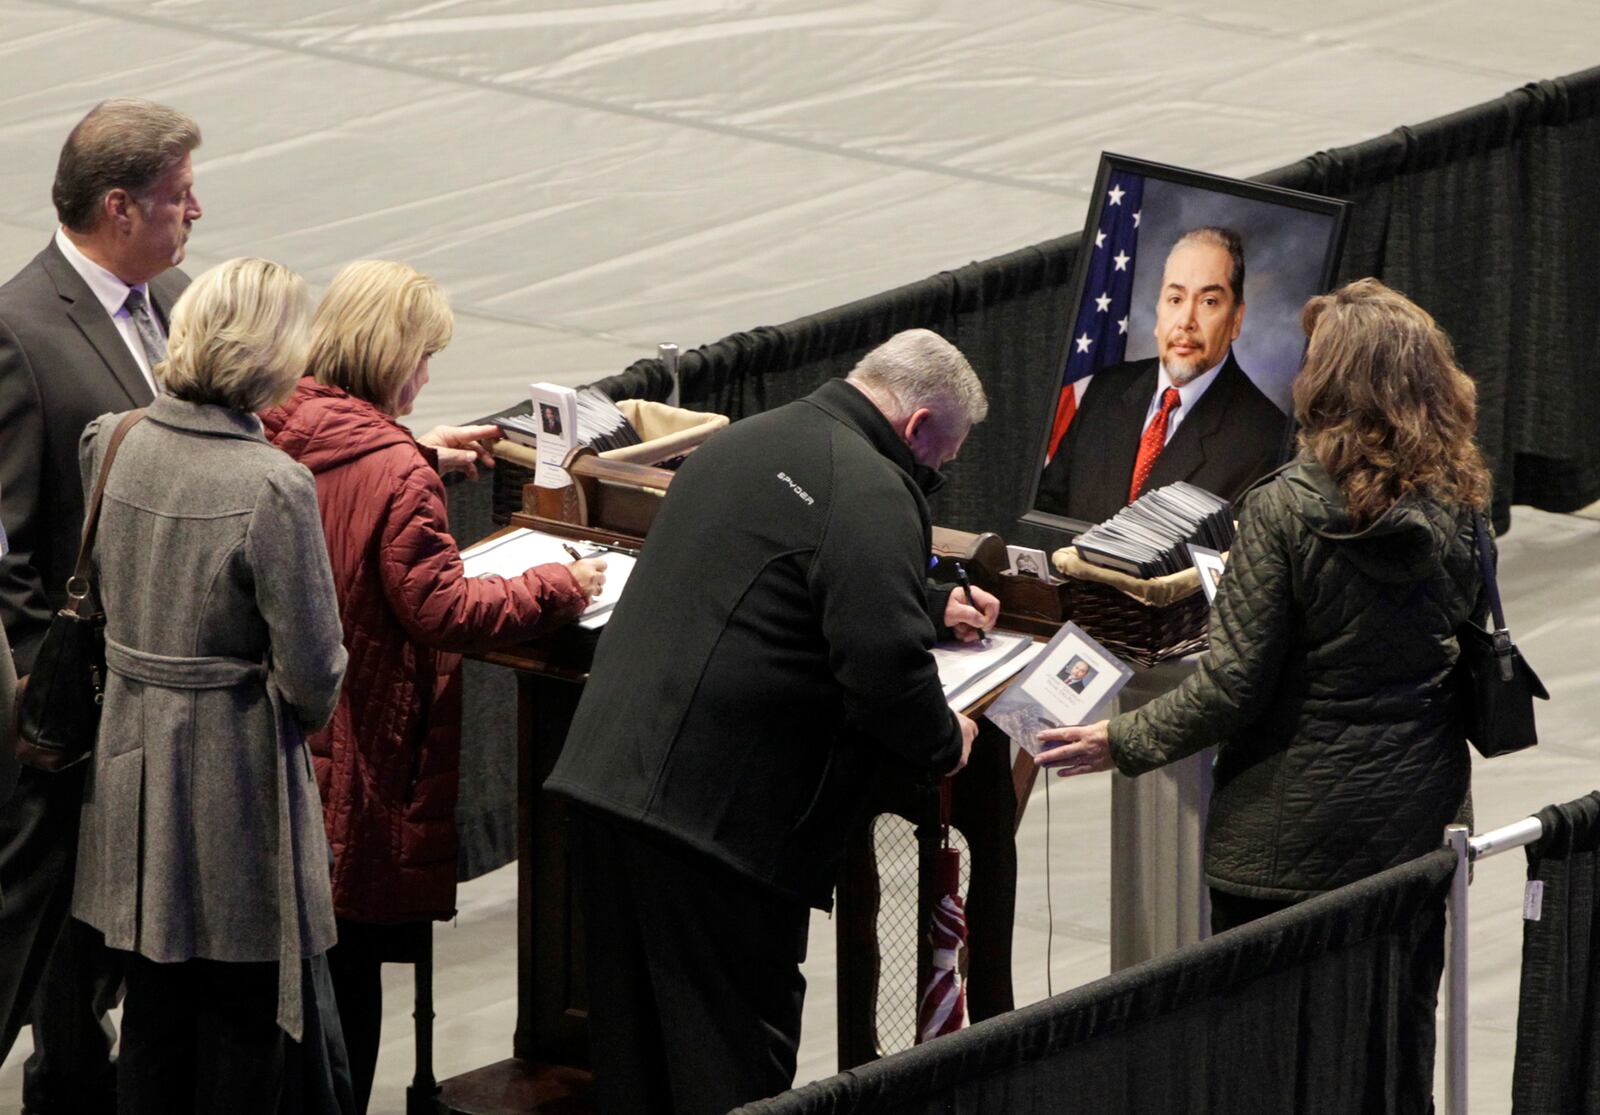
x,y
78,584
1504,649
1486,565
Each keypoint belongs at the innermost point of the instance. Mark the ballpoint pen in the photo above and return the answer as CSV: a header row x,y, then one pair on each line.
x,y
966,586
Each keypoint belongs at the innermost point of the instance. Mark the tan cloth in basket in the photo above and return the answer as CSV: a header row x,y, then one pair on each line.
x,y
1157,592
668,432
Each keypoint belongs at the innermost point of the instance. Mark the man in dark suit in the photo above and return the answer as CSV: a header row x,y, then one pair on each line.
x,y
81,327
1188,414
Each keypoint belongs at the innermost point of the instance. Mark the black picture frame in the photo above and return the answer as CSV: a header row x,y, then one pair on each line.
x,y
1277,225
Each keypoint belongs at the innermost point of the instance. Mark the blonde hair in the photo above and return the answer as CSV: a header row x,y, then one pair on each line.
x,y
1383,405
374,325
239,336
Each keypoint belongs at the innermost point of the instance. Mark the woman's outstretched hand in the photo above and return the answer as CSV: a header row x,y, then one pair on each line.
x,y
462,448
1085,748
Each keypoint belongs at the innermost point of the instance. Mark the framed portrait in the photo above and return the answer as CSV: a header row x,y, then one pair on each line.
x,y
1209,564
1185,338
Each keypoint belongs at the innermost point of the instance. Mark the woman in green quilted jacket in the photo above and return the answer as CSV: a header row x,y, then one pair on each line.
x,y
1327,685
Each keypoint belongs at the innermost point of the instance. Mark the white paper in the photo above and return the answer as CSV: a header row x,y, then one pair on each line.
x,y
1533,900
965,664
997,676
517,551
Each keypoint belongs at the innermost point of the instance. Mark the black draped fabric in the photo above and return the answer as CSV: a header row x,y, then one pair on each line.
x,y
1006,314
1326,1007
1485,217
1557,1070
486,812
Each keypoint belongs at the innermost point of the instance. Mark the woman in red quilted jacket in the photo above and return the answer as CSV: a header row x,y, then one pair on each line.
x,y
387,764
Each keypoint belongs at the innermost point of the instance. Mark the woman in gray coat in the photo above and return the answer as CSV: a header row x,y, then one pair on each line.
x,y
1328,683
202,855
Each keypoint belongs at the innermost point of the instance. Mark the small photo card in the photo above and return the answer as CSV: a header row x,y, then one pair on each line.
x,y
1070,682
1027,562
1209,564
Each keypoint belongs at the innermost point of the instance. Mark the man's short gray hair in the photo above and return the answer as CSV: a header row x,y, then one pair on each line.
x,y
123,143
918,368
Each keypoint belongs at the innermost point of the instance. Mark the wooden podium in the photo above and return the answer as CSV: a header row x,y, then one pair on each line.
x,y
614,503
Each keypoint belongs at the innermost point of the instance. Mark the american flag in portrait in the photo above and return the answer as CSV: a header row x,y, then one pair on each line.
x,y
1100,335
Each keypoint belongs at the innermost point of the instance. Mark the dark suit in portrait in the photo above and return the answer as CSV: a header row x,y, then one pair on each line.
x,y
1233,437
62,363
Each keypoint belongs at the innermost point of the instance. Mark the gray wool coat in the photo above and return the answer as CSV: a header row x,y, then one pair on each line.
x,y
202,832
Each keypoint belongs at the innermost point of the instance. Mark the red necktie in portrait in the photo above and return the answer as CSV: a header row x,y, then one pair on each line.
x,y
1151,444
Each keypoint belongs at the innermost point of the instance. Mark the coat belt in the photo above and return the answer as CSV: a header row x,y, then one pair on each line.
x,y
221,672
174,672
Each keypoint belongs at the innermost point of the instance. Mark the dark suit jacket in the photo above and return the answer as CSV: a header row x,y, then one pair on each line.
x,y
1233,438
62,363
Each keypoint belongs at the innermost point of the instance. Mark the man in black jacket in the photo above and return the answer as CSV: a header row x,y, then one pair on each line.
x,y
80,328
770,654
1215,430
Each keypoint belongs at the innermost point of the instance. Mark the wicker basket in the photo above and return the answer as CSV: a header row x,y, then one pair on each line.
x,y
669,433
1141,621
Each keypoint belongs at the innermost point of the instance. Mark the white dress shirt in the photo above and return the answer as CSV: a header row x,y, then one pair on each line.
x,y
1188,395
111,292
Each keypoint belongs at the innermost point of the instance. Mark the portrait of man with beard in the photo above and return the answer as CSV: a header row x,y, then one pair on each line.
x,y
1188,413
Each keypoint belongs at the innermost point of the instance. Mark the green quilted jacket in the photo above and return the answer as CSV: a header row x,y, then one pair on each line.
x,y
1326,688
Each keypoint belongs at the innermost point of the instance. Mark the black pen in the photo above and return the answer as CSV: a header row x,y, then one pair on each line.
x,y
573,551
966,586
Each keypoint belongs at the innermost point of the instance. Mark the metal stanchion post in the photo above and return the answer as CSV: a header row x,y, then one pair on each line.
x,y
1455,1004
669,360
422,1098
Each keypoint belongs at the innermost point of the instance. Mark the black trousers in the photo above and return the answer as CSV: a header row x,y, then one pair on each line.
x,y
1231,910
200,1037
55,973
356,967
694,975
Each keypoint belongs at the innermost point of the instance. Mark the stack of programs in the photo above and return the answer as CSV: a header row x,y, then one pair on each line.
x,y
601,425
1147,538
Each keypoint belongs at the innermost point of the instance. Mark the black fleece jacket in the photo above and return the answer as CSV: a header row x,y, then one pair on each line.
x,y
772,648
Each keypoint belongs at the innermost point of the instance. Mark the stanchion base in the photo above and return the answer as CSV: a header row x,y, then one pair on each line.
x,y
516,1087
423,1101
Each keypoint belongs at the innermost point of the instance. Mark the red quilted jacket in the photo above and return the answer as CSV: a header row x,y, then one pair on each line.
x,y
388,763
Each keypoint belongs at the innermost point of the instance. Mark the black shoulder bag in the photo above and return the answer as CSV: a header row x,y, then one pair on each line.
x,y
58,711
1497,684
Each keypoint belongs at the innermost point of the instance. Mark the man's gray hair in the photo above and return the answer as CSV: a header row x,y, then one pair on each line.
x,y
918,368
124,143
1229,241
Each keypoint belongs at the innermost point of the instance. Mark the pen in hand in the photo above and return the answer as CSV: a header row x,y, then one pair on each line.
x,y
966,587
572,551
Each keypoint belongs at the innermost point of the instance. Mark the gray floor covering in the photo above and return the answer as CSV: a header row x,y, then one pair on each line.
x,y
589,179
1552,584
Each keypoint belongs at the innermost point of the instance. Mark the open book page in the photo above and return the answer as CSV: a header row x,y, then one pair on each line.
x,y
517,551
969,670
